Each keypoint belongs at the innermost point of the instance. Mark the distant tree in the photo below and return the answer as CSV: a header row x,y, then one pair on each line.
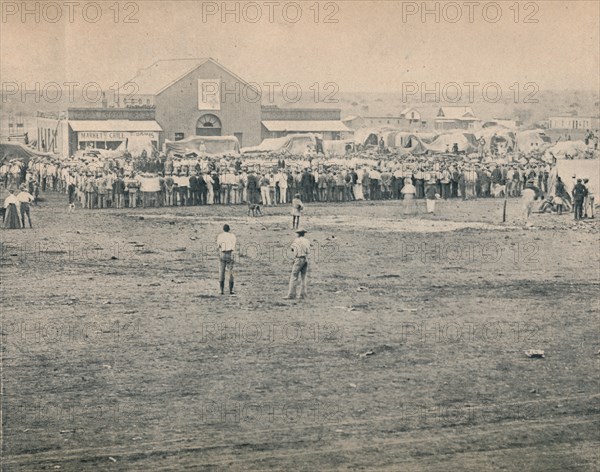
x,y
523,114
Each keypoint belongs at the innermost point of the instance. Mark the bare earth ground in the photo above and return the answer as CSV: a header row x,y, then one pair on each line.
x,y
119,354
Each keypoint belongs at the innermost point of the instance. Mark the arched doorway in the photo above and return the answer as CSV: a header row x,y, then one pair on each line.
x,y
208,125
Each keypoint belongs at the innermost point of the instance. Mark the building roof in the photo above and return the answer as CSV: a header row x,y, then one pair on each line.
x,y
114,125
305,126
456,113
156,78
406,110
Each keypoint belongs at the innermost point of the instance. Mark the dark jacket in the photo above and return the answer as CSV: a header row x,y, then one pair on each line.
x,y
579,192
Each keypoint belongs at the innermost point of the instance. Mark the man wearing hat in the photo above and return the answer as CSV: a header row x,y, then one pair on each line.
x,y
301,248
25,200
579,193
226,243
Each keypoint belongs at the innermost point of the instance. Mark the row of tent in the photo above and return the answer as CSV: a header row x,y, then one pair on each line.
x,y
420,143
417,143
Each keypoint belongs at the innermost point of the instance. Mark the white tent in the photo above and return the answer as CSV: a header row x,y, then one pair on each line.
x,y
296,144
572,148
581,169
532,140
136,145
409,143
466,142
366,136
505,138
336,148
210,145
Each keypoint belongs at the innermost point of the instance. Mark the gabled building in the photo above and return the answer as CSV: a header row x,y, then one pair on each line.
x,y
196,97
411,115
455,118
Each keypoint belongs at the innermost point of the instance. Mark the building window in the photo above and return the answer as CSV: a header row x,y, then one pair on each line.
x,y
208,125
179,136
208,121
147,101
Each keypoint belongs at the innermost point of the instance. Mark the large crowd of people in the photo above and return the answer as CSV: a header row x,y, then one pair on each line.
x,y
93,182
185,182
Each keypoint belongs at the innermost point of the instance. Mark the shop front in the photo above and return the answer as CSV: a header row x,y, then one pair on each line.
x,y
115,134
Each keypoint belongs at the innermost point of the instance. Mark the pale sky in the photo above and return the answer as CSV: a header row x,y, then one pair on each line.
x,y
370,48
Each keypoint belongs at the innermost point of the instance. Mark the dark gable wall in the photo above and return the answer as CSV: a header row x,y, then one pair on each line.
x,y
177,107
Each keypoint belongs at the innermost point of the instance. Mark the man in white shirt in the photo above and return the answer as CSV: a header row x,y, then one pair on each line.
x,y
283,186
301,248
183,182
226,242
510,172
25,200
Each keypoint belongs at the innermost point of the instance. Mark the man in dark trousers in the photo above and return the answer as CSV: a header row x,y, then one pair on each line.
x,y
253,189
301,248
202,189
194,190
579,194
306,185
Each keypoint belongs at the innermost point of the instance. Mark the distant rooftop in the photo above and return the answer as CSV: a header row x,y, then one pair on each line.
x,y
456,113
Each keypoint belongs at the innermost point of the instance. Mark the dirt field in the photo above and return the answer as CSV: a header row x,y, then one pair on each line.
x,y
119,354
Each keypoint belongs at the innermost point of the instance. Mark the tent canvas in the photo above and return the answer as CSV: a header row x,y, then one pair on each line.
x,y
505,138
296,144
366,136
267,145
389,137
426,137
572,148
532,140
136,145
466,142
300,143
336,148
409,143
582,169
14,150
215,145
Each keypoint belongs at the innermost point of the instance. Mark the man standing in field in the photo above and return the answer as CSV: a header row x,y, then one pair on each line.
x,y
579,193
301,248
588,202
226,242
25,199
530,194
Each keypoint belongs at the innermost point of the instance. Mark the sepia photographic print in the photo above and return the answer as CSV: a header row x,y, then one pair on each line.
x,y
299,235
